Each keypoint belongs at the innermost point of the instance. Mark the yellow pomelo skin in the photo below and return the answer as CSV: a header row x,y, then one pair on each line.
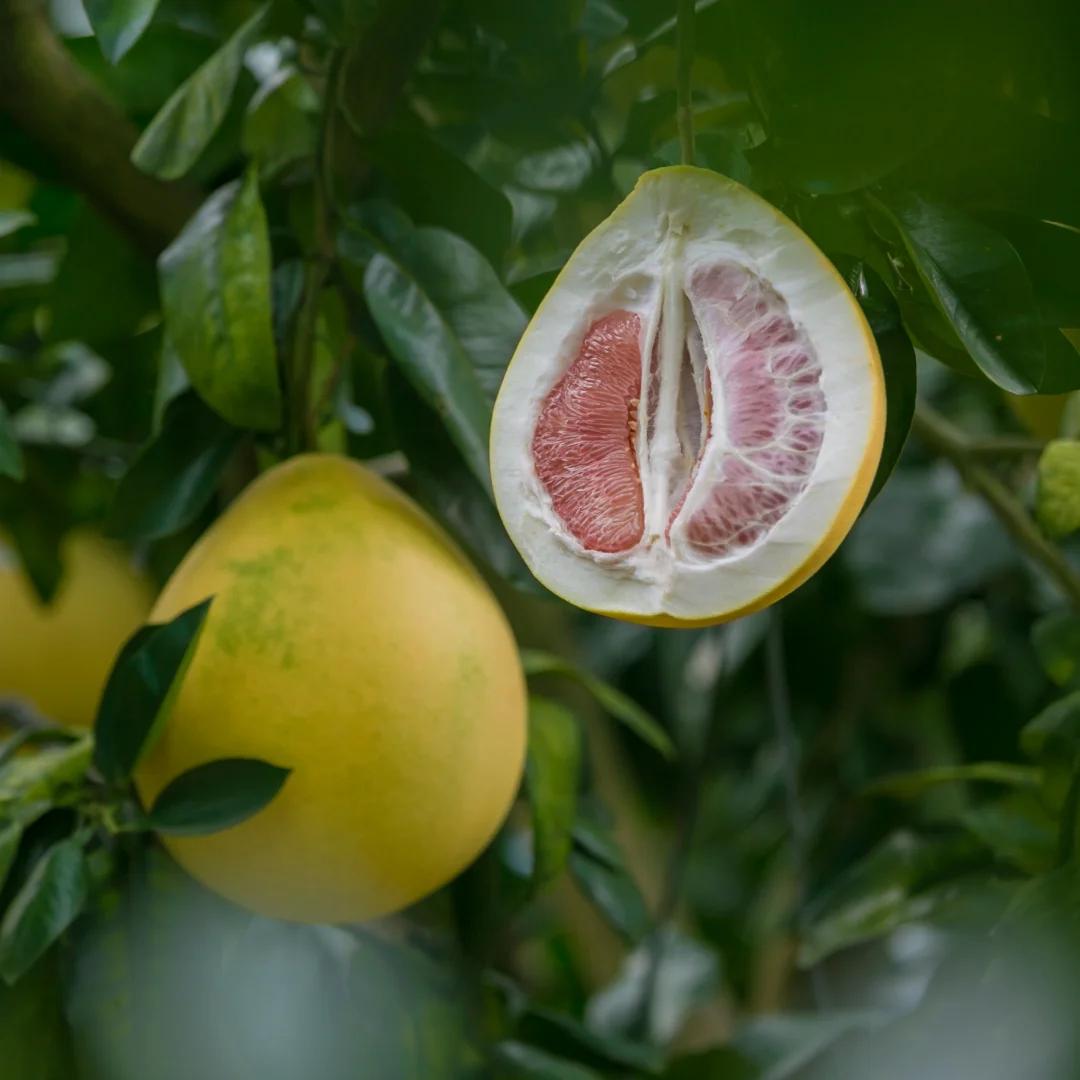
x,y
1041,414
350,641
58,657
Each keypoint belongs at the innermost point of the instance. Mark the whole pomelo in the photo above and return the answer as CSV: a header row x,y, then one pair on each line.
x,y
57,656
350,641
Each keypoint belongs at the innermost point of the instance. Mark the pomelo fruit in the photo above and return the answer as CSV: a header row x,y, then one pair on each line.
x,y
56,657
350,641
694,416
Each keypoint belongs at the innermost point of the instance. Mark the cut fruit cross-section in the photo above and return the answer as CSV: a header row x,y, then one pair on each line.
x,y
693,418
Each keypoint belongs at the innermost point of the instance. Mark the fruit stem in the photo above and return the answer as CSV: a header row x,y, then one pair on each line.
x,y
939,435
684,111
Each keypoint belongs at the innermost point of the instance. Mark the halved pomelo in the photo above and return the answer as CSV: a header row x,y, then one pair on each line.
x,y
693,418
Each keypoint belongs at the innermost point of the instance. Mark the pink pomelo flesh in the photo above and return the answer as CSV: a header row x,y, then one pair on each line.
x,y
724,441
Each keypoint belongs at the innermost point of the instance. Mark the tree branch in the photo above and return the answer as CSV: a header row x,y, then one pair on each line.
x,y
951,443
69,117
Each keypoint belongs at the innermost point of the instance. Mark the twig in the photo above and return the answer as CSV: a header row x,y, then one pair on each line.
x,y
798,826
302,418
947,440
1005,446
684,108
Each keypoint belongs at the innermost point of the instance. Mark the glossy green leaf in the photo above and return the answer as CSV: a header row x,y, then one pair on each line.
x,y
435,187
614,702
187,122
444,316
13,220
215,287
552,774
1056,640
897,361
529,1063
887,888
141,690
48,903
1057,498
1055,732
10,835
215,796
11,460
176,473
911,785
613,892
118,24
980,285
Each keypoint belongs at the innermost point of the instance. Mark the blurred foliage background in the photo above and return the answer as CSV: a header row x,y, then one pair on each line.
x,y
860,862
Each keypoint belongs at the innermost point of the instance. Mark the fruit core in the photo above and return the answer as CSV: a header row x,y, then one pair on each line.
x,y
691,423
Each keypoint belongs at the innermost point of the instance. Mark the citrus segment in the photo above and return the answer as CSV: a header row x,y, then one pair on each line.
x,y
584,442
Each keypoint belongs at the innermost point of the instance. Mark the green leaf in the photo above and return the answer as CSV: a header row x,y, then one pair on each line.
x,y
11,460
33,779
118,24
141,690
444,316
1055,732
912,784
102,290
10,835
720,1063
897,361
980,285
435,187
519,1060
448,489
176,473
782,1046
552,774
1057,497
613,892
614,702
35,1040
924,543
186,122
48,903
215,288
281,124
1056,640
561,1034
13,220
1018,830
215,796
887,888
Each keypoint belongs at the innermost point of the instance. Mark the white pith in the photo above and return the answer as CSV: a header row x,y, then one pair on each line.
x,y
641,260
